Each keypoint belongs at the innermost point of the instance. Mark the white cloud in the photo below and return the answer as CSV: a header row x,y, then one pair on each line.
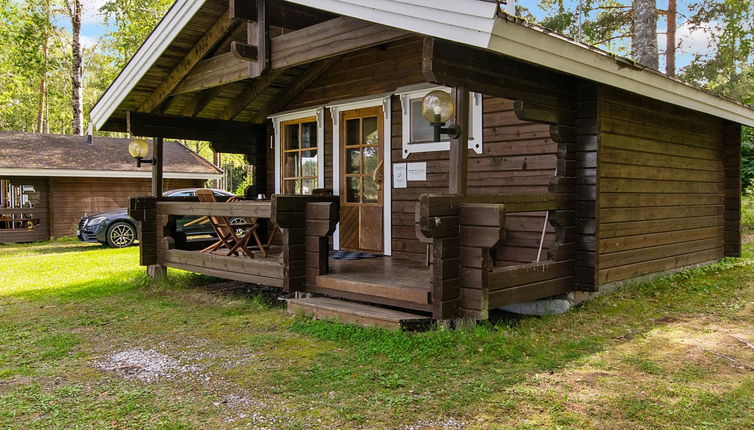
x,y
88,42
692,41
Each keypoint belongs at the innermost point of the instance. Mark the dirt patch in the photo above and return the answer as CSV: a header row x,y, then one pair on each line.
x,y
747,238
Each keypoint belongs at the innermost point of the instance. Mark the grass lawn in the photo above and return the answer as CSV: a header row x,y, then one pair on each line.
x,y
675,353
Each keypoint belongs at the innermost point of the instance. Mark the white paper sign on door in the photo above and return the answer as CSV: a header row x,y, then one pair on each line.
x,y
416,171
399,175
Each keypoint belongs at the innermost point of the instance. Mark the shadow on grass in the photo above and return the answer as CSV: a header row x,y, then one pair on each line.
x,y
60,246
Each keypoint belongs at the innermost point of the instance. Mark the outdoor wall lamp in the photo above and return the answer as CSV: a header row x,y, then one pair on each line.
x,y
438,107
139,148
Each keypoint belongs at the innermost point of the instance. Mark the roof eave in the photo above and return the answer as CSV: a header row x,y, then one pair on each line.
x,y
528,44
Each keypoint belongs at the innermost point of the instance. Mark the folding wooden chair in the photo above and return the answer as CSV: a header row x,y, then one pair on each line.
x,y
226,231
253,231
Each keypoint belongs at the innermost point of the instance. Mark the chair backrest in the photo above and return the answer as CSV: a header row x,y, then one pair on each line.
x,y
220,223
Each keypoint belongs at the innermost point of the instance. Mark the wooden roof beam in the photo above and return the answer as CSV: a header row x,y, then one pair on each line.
x,y
281,100
181,127
199,102
217,31
317,42
237,105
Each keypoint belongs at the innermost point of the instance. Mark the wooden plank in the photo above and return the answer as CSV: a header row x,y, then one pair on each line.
x,y
536,112
219,70
623,258
260,267
179,127
244,51
251,209
506,277
199,102
340,283
330,38
657,213
202,47
655,239
527,293
225,274
654,266
356,313
618,229
238,104
459,147
282,99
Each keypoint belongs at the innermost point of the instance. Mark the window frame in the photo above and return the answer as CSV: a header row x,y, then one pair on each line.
x,y
279,121
300,150
475,111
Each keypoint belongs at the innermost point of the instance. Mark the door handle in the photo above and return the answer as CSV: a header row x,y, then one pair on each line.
x,y
378,176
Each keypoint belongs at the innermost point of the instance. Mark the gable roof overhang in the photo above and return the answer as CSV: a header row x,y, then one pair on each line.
x,y
476,23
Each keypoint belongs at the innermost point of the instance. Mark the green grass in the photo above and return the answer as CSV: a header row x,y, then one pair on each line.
x,y
65,306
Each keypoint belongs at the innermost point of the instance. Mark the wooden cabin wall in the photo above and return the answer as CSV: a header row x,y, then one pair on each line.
x,y
519,156
661,187
42,230
71,198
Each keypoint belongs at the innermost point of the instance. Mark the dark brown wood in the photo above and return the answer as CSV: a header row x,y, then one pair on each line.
x,y
179,127
531,111
257,35
157,166
355,313
732,144
244,51
249,94
459,147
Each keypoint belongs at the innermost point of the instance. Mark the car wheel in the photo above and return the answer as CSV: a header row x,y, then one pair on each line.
x,y
120,235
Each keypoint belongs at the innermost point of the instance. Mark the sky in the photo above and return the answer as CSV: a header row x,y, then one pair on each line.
x,y
692,42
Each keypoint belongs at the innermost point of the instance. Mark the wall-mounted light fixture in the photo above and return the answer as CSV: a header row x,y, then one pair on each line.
x,y
438,107
139,148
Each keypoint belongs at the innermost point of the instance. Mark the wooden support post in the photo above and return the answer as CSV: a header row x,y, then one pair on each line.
x,y
459,147
157,157
732,218
321,219
257,36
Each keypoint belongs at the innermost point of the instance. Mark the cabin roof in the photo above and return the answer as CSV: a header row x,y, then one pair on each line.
x,y
34,154
477,23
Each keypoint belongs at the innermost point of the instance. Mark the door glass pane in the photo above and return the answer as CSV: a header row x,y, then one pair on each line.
x,y
370,190
353,189
291,136
371,159
421,130
370,131
352,132
353,160
292,186
292,165
309,159
309,135
308,185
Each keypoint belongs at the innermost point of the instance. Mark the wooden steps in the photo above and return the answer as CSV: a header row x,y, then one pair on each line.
x,y
373,287
356,313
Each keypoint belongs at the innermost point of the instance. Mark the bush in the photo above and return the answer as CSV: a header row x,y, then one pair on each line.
x,y
747,209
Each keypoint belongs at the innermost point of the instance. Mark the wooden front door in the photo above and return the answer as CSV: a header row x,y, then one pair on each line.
x,y
361,167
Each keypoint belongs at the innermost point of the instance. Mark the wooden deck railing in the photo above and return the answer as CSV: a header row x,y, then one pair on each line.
x,y
465,229
305,223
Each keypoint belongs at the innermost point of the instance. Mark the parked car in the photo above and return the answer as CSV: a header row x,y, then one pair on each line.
x,y
116,229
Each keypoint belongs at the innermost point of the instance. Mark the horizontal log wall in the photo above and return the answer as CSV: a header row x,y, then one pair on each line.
x,y
72,198
40,213
661,187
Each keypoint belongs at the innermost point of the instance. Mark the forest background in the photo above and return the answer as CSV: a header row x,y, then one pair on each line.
x,y
59,56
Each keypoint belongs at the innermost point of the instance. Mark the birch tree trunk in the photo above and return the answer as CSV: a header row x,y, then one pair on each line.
x,y
74,9
42,123
644,43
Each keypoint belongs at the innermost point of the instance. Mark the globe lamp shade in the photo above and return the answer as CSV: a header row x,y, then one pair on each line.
x,y
438,106
138,148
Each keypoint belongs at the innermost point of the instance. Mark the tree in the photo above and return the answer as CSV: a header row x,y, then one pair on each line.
x,y
73,8
644,41
133,20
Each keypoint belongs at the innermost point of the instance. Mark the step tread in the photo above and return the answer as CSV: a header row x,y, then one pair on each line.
x,y
327,308
416,294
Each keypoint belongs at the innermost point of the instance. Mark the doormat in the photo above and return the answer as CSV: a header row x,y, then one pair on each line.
x,y
351,255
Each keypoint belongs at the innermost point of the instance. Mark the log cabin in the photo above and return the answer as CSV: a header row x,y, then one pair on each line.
x,y
566,168
49,181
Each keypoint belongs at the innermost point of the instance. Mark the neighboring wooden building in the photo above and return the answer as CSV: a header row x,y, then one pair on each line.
x,y
583,169
48,182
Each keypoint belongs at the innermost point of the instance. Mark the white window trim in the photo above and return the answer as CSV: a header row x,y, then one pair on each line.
x,y
387,184
277,119
475,143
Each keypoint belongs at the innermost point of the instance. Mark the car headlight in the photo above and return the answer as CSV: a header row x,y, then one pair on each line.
x,y
96,221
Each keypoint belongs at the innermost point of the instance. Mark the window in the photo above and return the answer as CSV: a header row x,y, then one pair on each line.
x,y
418,135
299,155
14,199
300,158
